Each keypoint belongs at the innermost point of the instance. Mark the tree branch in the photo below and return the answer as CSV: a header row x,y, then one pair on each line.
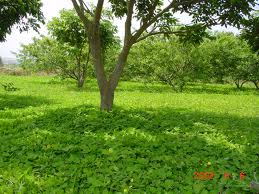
x,y
98,11
85,8
157,33
80,12
150,20
128,23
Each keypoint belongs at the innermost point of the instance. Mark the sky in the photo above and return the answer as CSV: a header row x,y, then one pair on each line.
x,y
51,9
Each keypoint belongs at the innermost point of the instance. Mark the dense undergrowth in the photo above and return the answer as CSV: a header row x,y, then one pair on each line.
x,y
54,139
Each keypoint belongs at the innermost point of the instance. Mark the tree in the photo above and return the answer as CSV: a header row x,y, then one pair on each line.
x,y
154,17
67,51
47,54
253,73
1,62
251,34
227,56
163,59
251,31
25,13
69,29
174,65
141,63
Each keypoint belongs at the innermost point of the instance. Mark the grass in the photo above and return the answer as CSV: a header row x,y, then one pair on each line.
x,y
54,139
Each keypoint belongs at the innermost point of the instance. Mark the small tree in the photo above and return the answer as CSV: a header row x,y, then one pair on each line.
x,y
162,59
47,54
67,51
253,75
225,57
251,31
174,66
154,17
25,13
68,29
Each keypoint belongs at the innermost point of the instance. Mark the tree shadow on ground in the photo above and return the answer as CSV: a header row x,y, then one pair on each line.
x,y
191,88
227,89
12,101
83,150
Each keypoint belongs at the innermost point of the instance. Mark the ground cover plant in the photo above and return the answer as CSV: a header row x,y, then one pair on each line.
x,y
54,139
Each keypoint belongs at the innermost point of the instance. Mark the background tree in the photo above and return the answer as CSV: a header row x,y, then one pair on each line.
x,y
174,64
140,64
68,29
154,17
24,13
162,59
251,31
253,73
67,52
226,57
47,54
251,34
1,62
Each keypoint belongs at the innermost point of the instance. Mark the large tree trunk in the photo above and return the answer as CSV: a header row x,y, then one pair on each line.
x,y
237,82
107,90
106,86
80,82
107,97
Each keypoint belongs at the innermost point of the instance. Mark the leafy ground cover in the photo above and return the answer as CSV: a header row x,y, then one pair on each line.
x,y
54,139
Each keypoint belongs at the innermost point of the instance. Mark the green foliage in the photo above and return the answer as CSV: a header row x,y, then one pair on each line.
x,y
67,51
251,30
153,142
140,61
253,75
46,54
193,34
25,13
9,86
225,57
173,63
68,28
219,12
204,14
166,60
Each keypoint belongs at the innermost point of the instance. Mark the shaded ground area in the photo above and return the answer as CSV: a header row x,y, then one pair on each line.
x,y
10,101
59,142
81,150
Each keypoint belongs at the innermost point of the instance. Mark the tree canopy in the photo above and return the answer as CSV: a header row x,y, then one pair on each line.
x,y
67,51
24,13
153,17
251,31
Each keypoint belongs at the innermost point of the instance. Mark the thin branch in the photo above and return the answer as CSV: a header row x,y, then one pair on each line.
x,y
157,33
80,12
150,20
86,8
